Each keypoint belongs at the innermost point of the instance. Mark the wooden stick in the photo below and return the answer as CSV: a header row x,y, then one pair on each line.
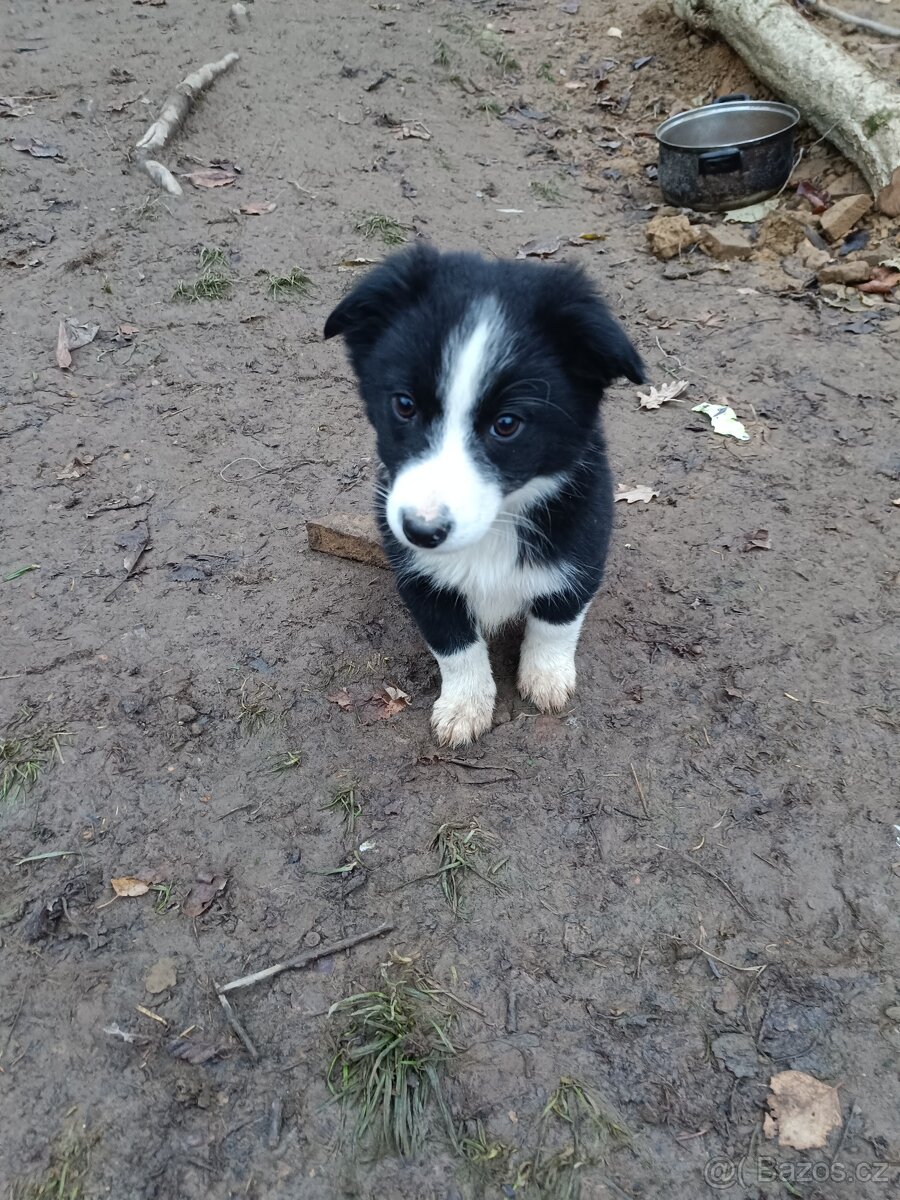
x,y
852,19
231,1017
172,116
303,960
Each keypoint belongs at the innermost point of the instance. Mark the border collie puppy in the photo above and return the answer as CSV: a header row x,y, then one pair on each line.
x,y
483,380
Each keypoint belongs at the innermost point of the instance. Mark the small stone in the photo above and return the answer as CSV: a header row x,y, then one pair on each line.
x,y
722,242
729,998
845,272
889,196
161,976
838,220
186,714
811,256
893,1013
312,939
668,236
781,233
347,536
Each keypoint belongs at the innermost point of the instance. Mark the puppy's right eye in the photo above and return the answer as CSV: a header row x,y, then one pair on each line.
x,y
404,406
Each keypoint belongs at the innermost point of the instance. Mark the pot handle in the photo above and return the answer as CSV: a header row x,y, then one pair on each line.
x,y
730,97
720,162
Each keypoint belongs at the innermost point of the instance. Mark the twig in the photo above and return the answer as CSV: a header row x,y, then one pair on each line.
x,y
276,1113
640,791
303,960
718,879
846,18
512,1013
709,954
231,1017
840,1142
172,116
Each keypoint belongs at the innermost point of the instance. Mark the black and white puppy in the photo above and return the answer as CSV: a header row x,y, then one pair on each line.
x,y
482,380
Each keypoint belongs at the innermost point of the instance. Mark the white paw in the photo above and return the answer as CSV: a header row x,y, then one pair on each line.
x,y
547,663
457,720
547,685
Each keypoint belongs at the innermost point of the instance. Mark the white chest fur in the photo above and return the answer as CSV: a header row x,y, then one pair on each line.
x,y
497,586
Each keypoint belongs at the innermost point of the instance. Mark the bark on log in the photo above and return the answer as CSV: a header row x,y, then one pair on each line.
x,y
839,96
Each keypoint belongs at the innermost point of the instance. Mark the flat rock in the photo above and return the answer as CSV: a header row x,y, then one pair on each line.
x,y
838,220
845,272
348,535
161,976
724,242
668,236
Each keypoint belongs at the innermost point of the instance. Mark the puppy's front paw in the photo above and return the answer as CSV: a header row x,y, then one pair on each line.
x,y
457,720
548,685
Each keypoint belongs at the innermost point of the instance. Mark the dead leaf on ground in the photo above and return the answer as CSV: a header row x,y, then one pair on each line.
x,y
354,264
76,467
657,397
35,148
213,177
150,3
817,198
633,495
759,539
63,357
539,248
195,1053
129,885
142,494
258,209
161,977
71,336
883,280
127,331
414,130
134,542
582,238
342,699
387,702
803,1110
203,893
9,107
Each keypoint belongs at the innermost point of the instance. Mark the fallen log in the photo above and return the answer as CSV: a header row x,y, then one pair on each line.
x,y
840,97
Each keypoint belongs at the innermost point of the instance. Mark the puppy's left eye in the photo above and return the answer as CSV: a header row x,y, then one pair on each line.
x,y
506,426
404,406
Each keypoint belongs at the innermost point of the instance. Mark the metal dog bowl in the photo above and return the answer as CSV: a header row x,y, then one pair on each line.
x,y
733,152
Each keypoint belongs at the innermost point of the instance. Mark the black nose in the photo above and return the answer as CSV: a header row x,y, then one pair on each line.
x,y
426,534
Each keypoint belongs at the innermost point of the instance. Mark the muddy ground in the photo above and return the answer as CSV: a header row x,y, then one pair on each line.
x,y
721,779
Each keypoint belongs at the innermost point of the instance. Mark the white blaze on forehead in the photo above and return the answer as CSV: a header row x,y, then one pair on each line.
x,y
448,480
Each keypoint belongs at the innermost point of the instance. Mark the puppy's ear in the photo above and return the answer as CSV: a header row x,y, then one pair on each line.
x,y
593,345
364,314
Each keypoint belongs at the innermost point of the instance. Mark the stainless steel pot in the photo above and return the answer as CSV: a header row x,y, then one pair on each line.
x,y
728,154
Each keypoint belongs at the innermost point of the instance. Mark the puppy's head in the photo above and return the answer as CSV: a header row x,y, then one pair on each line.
x,y
482,380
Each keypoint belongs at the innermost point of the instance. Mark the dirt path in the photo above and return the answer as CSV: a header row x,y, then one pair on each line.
x,y
722,777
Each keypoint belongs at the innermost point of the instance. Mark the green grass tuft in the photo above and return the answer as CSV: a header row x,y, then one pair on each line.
x,y
346,804
70,1159
214,280
462,850
548,192
291,286
493,47
392,1047
386,229
24,754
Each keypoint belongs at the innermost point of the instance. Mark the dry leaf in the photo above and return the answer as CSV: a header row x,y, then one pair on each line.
x,y
63,357
342,699
387,702
632,495
8,108
161,976
883,280
213,177
195,1053
128,885
539,248
657,397
127,331
76,467
804,1110
134,542
415,130
35,148
758,540
258,209
818,199
203,893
